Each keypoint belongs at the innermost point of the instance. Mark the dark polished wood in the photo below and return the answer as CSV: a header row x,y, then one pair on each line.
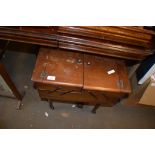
x,y
133,43
129,35
27,35
102,47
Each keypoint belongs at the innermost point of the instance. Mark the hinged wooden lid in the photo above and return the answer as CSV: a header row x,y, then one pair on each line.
x,y
105,74
91,72
59,67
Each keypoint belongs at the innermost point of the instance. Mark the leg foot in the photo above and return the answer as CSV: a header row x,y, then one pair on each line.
x,y
18,105
51,105
79,105
95,108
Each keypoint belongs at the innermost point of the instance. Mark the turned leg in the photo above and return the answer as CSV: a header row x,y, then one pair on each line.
x,y
95,108
51,104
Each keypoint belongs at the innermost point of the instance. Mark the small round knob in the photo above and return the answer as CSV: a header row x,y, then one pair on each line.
x,y
88,63
79,61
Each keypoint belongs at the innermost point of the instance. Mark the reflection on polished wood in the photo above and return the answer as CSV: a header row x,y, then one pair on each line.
x,y
133,43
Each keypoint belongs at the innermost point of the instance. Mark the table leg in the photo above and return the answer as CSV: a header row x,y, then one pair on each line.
x,y
95,108
51,104
79,105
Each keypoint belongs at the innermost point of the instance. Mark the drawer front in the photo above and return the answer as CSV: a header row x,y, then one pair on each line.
x,y
106,98
49,87
110,98
91,97
70,96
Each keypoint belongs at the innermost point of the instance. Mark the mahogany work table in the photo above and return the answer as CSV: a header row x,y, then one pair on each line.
x,y
62,75
95,49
